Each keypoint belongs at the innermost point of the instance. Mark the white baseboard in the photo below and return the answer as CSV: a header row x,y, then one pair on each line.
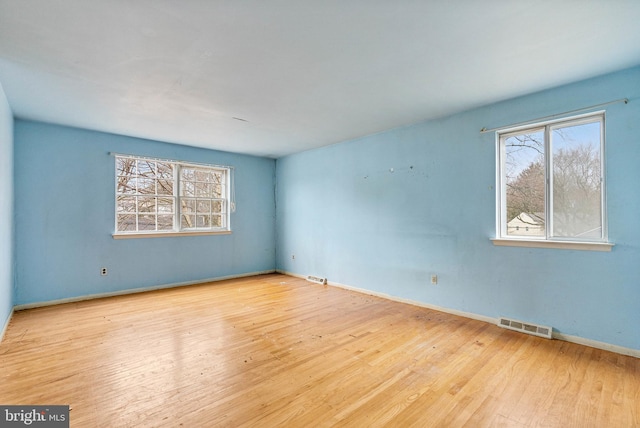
x,y
402,300
596,344
556,335
136,290
6,324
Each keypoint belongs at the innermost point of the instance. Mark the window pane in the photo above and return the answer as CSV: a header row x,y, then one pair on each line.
x,y
203,221
165,187
165,170
146,168
188,188
216,221
524,177
217,191
127,185
203,175
203,190
165,205
126,204
126,222
204,207
187,221
146,222
576,189
146,186
188,174
146,204
165,222
188,206
217,206
125,166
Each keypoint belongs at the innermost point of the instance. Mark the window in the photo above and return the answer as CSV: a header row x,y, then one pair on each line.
x,y
551,181
162,197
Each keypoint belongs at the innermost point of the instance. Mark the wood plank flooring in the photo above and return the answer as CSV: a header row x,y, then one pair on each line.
x,y
273,350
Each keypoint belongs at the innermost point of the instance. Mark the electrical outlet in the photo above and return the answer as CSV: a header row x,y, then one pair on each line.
x,y
103,271
434,279
293,256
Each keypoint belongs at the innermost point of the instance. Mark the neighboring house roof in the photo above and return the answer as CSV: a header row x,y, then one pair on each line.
x,y
529,219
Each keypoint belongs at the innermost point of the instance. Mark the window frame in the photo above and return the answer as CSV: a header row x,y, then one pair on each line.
x,y
177,230
548,240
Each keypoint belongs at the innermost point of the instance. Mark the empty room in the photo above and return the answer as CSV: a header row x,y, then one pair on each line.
x,y
320,213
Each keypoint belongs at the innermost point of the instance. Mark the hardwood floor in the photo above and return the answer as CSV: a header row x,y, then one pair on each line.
x,y
274,350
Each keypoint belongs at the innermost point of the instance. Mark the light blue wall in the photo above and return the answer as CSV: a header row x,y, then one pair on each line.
x,y
64,202
386,211
6,213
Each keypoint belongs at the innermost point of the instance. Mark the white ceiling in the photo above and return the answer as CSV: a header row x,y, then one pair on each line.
x,y
299,73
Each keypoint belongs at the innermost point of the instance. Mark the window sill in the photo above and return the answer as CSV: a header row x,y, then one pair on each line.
x,y
167,234
562,245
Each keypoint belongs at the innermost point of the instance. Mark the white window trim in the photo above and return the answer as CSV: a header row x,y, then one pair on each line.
x,y
176,232
144,234
561,245
502,239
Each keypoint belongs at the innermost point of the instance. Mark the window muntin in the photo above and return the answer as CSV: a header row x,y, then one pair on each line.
x,y
157,196
551,181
